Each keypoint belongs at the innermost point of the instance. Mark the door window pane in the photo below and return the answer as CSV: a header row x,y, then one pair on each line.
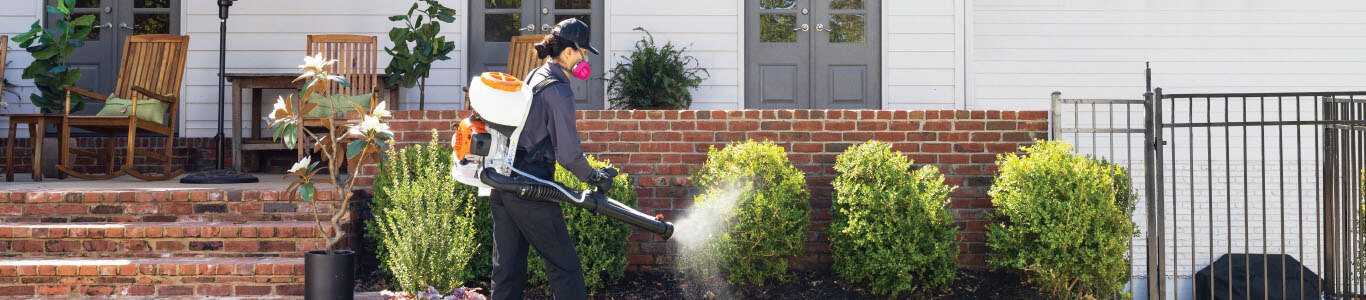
x,y
585,18
94,32
777,4
574,4
152,3
501,27
503,3
846,4
847,28
87,3
151,24
777,28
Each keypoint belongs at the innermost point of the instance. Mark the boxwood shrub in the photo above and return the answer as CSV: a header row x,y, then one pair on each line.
x,y
889,227
423,228
1063,221
767,226
600,241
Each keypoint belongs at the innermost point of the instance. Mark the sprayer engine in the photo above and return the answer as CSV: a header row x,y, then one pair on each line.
x,y
485,145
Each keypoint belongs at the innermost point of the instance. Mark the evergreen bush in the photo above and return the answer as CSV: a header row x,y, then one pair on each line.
x,y
1063,221
890,228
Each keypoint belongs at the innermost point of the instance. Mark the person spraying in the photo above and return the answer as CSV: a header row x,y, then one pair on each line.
x,y
509,149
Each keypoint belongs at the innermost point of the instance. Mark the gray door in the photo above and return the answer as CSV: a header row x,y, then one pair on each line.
x,y
819,54
493,23
99,59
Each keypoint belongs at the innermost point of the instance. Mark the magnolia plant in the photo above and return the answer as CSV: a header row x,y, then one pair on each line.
x,y
359,142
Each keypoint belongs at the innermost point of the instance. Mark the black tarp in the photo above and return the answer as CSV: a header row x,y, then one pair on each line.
x,y
1268,277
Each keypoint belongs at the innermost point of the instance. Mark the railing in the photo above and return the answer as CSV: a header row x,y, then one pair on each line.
x,y
1261,174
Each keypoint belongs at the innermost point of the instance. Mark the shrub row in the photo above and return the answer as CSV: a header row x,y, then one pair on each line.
x,y
1063,220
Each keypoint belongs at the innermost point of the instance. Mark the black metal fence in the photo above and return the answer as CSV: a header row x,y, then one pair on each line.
x,y
1269,175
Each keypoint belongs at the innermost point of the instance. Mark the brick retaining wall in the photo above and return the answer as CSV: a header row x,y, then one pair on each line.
x,y
660,149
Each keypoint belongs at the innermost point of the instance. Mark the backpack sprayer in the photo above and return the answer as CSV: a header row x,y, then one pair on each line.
x,y
485,145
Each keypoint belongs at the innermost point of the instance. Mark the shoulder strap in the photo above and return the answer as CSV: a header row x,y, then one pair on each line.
x,y
547,82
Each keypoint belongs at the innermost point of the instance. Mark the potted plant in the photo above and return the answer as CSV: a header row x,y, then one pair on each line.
x,y
411,66
329,273
654,77
49,70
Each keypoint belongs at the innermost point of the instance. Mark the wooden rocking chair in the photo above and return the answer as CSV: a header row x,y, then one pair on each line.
x,y
521,59
151,69
357,60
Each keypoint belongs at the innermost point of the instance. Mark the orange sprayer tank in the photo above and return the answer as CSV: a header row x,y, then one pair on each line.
x,y
464,134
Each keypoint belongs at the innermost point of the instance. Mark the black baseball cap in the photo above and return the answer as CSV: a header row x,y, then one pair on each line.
x,y
575,31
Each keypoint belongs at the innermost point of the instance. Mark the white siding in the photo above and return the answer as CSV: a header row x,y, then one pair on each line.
x,y
710,28
15,18
1096,49
923,54
269,36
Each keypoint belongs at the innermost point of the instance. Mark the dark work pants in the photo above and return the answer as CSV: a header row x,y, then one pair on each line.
x,y
518,223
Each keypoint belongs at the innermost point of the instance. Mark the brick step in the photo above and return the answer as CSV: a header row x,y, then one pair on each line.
x,y
178,205
242,277
147,239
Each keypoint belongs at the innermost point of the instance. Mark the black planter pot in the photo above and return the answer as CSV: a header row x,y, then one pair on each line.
x,y
330,275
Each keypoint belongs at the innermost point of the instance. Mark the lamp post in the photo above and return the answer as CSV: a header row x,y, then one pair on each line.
x,y
220,175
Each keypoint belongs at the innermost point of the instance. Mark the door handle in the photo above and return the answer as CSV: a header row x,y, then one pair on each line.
x,y
529,27
803,28
125,26
106,25
820,27
545,27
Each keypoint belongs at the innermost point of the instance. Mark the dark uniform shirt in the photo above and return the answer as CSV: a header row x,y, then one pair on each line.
x,y
551,122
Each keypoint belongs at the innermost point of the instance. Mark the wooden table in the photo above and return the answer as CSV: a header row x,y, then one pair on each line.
x,y
257,82
37,126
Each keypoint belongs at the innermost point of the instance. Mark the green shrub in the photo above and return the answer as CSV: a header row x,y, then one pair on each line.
x,y
424,220
1064,221
654,77
889,226
600,241
767,226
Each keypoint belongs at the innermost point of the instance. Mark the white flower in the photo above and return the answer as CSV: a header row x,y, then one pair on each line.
x,y
302,164
380,111
279,105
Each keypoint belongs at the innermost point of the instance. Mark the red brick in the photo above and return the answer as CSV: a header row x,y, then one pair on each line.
x,y
1001,148
97,290
822,136
711,125
682,125
807,126
986,136
938,126
1001,125
666,136
953,159
698,136
775,125
1033,115
743,125
938,148
174,290
953,136
17,290
54,290
969,125
839,125
623,125
968,147
635,136
603,136
252,290
872,125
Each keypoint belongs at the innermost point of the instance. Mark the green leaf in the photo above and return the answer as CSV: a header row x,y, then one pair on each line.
x,y
306,191
398,18
54,10
444,17
85,20
355,148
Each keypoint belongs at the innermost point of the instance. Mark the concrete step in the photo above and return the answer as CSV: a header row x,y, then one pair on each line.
x,y
159,205
240,277
160,239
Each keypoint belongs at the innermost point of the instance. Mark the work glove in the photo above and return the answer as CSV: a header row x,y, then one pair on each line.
x,y
602,179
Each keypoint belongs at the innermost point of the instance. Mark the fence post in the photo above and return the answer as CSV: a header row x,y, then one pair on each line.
x,y
1151,140
1330,224
1055,115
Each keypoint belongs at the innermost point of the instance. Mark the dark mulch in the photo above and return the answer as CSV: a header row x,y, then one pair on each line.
x,y
971,284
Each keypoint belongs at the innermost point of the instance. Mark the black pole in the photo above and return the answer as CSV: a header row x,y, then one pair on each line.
x,y
222,70
221,174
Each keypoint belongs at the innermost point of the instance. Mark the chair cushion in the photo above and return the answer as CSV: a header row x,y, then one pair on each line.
x,y
150,110
327,105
